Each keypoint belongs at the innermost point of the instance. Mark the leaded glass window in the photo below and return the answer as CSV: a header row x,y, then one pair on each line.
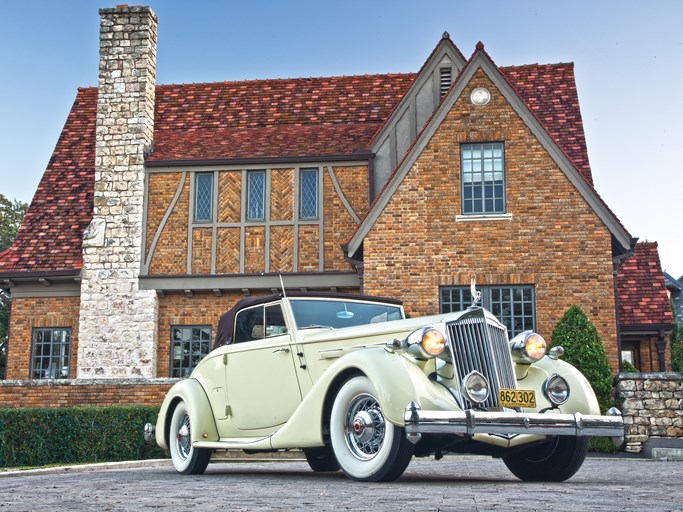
x,y
308,194
256,194
203,196
483,178
50,353
514,306
189,345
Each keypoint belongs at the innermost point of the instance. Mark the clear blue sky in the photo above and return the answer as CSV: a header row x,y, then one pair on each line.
x,y
628,60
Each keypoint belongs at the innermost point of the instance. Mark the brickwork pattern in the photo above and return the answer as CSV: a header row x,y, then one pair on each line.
x,y
83,393
339,224
554,239
117,320
170,254
229,196
652,407
30,313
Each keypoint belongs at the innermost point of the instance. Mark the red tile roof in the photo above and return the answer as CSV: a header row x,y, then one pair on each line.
x,y
51,233
262,118
642,293
550,92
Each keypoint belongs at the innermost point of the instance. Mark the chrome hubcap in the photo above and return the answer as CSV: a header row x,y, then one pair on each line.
x,y
364,427
183,441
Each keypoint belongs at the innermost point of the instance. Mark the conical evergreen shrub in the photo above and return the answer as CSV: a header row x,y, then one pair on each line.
x,y
584,350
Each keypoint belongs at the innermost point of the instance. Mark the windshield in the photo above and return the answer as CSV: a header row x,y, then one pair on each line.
x,y
336,314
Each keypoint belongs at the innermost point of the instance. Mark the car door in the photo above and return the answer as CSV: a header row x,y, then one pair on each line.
x,y
262,386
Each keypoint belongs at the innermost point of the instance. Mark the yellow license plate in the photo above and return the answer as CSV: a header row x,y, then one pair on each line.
x,y
517,398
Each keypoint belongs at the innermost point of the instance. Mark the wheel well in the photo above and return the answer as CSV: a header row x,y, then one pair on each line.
x,y
332,391
169,417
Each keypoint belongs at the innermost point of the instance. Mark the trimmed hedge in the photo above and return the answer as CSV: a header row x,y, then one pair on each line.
x,y
43,436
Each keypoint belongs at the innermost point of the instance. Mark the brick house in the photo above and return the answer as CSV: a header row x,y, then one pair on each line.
x,y
162,205
645,316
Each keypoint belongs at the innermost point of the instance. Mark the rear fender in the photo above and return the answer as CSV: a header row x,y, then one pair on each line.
x,y
201,415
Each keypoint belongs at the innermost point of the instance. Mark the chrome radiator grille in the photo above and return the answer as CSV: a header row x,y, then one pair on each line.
x,y
482,345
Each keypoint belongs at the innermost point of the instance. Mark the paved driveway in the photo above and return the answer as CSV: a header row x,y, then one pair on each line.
x,y
454,483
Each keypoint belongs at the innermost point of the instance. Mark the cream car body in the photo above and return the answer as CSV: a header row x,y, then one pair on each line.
x,y
280,386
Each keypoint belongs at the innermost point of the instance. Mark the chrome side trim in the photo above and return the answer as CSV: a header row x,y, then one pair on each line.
x,y
470,422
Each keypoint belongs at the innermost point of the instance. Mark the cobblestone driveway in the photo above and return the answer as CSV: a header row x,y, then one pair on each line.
x,y
448,485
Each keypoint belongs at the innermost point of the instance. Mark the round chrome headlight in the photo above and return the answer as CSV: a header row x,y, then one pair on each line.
x,y
427,342
556,389
475,387
433,342
528,347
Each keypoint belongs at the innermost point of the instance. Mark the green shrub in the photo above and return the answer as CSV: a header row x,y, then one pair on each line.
x,y
42,436
584,350
628,367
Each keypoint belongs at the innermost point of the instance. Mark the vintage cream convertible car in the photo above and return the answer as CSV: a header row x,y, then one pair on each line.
x,y
357,386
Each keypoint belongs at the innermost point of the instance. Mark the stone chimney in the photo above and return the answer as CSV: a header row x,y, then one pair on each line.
x,y
118,322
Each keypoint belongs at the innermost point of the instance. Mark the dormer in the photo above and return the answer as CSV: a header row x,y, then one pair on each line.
x,y
411,114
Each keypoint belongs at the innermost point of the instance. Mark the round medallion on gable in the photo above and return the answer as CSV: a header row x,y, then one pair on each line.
x,y
480,96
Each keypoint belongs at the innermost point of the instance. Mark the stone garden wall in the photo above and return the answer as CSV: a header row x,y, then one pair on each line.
x,y
652,406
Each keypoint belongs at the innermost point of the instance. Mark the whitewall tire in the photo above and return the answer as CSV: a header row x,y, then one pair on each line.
x,y
367,446
186,458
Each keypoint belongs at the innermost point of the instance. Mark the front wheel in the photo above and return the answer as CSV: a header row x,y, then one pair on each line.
x,y
367,447
186,458
554,462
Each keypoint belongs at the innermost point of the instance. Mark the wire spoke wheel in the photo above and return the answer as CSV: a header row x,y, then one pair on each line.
x,y
367,446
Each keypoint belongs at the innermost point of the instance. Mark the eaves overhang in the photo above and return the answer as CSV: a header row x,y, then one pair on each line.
x,y
250,282
356,156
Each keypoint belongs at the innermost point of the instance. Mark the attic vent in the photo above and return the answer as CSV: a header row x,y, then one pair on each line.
x,y
446,80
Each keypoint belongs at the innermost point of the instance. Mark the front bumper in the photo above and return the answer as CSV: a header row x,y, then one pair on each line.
x,y
470,422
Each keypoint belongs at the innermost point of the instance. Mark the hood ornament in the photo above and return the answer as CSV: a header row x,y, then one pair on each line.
x,y
476,295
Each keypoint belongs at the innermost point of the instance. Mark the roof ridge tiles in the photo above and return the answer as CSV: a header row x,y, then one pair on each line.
x,y
290,79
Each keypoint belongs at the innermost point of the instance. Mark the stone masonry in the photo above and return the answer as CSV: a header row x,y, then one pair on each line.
x,y
652,406
118,322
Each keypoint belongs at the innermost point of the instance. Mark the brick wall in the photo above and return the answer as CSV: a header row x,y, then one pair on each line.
x,y
554,240
30,313
83,392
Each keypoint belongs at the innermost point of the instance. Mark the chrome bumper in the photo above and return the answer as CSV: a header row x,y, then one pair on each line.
x,y
470,422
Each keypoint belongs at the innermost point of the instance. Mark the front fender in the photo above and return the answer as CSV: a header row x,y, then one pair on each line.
x,y
397,382
581,396
201,415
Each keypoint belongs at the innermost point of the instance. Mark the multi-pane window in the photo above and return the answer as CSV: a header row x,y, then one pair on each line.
x,y
189,345
483,178
203,196
256,194
308,194
50,353
514,306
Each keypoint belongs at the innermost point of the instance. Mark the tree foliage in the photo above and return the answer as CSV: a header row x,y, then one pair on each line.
x,y
584,350
11,215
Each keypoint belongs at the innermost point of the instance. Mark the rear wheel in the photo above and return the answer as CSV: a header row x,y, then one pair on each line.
x,y
186,458
556,461
367,447
321,459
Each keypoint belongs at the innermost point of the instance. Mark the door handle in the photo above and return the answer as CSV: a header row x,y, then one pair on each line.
x,y
283,349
